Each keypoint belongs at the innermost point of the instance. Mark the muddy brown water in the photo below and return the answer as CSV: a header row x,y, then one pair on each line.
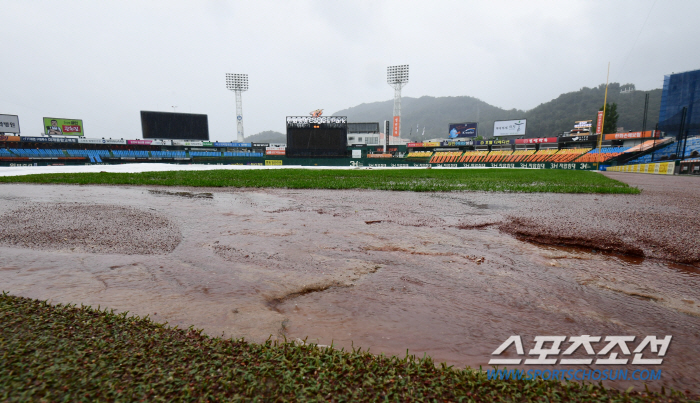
x,y
451,275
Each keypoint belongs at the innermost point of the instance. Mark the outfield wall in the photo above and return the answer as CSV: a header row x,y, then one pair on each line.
x,y
320,162
659,168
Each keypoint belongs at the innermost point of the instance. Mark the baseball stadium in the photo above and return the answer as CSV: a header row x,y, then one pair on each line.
x,y
513,268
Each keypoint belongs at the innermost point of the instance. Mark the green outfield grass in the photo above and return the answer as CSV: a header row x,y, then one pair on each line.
x,y
67,353
418,180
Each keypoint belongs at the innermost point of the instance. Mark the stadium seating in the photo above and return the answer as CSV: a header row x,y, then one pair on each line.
x,y
205,154
240,154
541,155
445,156
168,154
649,144
38,153
666,152
420,154
518,156
568,154
86,153
130,153
605,154
473,156
497,156
4,152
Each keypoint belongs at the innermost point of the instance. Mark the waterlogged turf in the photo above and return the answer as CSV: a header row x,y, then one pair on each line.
x,y
66,353
417,180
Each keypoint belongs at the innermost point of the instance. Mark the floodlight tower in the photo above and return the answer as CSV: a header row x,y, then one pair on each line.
x,y
397,77
238,83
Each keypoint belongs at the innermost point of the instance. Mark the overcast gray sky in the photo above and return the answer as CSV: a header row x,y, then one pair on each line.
x,y
104,61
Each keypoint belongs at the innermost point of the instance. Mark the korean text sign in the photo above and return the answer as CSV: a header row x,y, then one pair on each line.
x,y
63,127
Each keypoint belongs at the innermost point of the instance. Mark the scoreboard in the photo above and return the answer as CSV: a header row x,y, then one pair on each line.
x,y
176,126
323,136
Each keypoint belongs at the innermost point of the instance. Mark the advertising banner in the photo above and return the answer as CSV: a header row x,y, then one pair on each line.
x,y
9,124
659,168
150,142
49,139
140,142
188,143
9,138
63,127
629,136
494,142
225,144
426,144
509,127
462,130
583,124
537,140
304,121
456,143
275,151
397,125
84,140
580,139
260,145
599,124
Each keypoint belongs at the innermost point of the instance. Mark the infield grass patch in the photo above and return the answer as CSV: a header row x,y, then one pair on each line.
x,y
417,180
79,354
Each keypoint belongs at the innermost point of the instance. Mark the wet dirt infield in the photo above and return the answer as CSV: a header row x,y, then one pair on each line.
x,y
449,274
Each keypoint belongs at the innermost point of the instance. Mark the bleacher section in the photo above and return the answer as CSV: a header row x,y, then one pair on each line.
x,y
5,153
497,156
649,144
420,154
168,154
542,155
38,153
666,153
205,154
240,154
445,156
473,156
519,155
693,144
568,154
93,155
130,154
605,154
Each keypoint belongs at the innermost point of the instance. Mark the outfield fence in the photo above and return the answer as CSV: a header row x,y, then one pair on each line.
x,y
659,168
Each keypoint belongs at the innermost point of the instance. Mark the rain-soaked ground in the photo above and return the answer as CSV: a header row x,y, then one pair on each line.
x,y
452,275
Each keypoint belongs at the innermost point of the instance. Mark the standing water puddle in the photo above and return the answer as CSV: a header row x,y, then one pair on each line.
x,y
306,265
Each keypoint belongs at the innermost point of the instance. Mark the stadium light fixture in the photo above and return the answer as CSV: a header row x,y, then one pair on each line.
x,y
238,83
397,78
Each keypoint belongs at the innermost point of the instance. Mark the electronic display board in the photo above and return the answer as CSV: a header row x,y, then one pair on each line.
x,y
176,126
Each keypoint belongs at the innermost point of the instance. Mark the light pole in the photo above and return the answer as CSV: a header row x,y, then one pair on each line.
x,y
397,77
238,83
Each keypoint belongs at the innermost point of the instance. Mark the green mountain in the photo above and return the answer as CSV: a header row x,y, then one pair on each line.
x,y
268,136
545,120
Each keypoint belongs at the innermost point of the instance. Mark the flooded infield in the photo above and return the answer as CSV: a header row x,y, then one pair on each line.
x,y
452,275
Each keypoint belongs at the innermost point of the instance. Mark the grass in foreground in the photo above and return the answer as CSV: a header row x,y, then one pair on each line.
x,y
65,353
423,180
